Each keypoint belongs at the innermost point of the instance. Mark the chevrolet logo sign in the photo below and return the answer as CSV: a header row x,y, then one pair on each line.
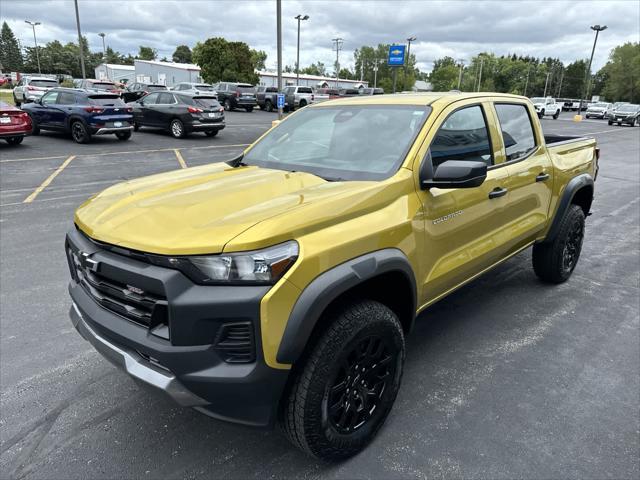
x,y
396,51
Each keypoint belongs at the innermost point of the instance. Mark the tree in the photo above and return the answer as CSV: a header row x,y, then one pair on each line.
x,y
220,60
573,81
622,73
259,59
10,55
182,54
366,57
147,53
317,69
444,75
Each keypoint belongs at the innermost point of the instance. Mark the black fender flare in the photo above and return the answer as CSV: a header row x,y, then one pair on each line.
x,y
72,118
328,286
575,184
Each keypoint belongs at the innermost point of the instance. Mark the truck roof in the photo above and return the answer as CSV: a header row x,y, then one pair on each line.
x,y
422,98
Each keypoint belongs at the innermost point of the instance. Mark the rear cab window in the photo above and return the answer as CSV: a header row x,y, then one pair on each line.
x,y
517,130
304,90
463,136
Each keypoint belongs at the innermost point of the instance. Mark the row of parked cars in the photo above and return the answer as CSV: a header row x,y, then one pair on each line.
x,y
616,113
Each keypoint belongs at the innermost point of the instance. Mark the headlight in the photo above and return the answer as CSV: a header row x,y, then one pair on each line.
x,y
259,267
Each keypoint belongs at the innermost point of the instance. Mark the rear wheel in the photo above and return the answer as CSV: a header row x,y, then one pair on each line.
x,y
227,105
347,384
268,106
14,140
35,129
123,135
633,122
16,101
79,132
555,261
303,103
177,128
211,133
610,122
136,126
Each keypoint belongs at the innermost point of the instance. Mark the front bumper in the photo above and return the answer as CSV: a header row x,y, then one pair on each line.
x,y
595,114
185,363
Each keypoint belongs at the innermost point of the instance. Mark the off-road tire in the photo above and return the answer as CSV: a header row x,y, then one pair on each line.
x,y
550,258
14,140
304,415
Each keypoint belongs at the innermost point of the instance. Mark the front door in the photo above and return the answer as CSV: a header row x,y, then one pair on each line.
x,y
44,109
463,227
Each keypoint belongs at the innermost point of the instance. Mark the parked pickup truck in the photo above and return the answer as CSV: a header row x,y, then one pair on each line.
x,y
267,98
281,286
298,97
547,106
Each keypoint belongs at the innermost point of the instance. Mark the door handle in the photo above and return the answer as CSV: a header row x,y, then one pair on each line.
x,y
542,177
497,192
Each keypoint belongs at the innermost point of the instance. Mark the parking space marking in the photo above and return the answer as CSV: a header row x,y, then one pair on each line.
x,y
44,184
126,152
181,161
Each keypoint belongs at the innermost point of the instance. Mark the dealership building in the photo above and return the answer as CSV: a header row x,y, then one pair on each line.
x,y
115,73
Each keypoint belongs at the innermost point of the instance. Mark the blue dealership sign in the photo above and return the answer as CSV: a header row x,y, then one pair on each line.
x,y
280,100
396,55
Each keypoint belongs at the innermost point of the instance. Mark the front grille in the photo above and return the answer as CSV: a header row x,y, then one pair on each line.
x,y
127,301
235,343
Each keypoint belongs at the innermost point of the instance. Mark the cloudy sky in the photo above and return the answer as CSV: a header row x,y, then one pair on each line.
x,y
456,28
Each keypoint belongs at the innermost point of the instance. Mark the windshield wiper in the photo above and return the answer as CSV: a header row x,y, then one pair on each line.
x,y
237,161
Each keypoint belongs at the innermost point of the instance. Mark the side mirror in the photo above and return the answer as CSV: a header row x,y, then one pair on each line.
x,y
457,174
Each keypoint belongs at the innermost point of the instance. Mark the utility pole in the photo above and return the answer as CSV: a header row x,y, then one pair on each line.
x,y
559,92
279,42
84,73
546,83
526,83
35,42
299,18
460,74
480,76
338,46
597,29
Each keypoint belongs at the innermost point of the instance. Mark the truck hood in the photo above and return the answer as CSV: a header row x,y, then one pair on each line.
x,y
198,210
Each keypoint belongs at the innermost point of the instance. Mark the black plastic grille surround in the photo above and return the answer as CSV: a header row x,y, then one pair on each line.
x,y
127,301
235,342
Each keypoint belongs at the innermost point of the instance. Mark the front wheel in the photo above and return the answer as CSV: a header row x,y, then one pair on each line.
x,y
123,135
610,122
136,126
249,109
268,106
541,114
556,115
211,133
346,386
227,105
555,261
79,132
14,140
177,128
16,101
303,103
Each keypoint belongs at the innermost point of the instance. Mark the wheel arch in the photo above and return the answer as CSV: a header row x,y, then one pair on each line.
x,y
579,191
73,118
384,275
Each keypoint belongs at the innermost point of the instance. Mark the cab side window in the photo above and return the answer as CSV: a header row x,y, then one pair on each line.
x,y
517,130
463,136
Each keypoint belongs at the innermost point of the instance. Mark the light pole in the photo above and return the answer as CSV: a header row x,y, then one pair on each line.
x,y
279,42
597,29
480,76
104,48
461,61
412,38
84,73
338,46
375,74
35,42
299,18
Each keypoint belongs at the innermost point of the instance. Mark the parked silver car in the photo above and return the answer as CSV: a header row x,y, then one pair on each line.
x,y
195,88
599,110
30,89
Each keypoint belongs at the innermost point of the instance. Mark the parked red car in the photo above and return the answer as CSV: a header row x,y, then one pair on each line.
x,y
14,124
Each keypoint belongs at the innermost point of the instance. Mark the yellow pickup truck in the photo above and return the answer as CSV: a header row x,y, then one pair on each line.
x,y
279,287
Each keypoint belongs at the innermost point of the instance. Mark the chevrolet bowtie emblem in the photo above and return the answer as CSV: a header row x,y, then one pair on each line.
x,y
396,51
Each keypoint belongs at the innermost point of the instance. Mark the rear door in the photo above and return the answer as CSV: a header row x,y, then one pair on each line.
x,y
530,172
463,227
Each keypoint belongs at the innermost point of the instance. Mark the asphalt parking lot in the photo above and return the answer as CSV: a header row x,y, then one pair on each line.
x,y
506,378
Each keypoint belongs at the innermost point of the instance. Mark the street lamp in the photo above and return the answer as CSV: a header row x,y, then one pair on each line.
x,y
104,48
80,48
597,29
33,25
299,18
409,40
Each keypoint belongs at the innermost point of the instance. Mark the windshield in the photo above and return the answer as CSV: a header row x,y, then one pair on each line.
x,y
43,83
152,88
342,143
538,100
205,88
629,108
599,105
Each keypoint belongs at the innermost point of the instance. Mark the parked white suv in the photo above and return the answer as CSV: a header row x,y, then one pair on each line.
x,y
30,89
599,110
197,88
547,106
